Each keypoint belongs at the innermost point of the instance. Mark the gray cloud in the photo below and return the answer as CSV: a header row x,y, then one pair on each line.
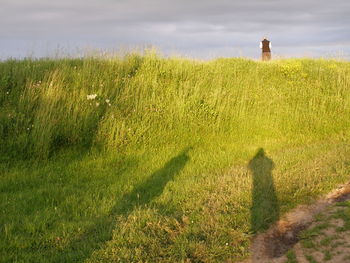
x,y
200,28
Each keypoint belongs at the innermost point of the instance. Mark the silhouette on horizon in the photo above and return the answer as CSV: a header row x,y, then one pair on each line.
x,y
265,207
265,46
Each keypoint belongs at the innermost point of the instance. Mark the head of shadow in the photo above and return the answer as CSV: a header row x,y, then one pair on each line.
x,y
154,185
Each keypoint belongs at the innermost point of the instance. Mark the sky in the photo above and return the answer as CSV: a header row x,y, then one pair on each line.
x,y
192,28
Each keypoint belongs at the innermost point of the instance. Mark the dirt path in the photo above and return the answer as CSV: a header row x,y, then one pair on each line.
x,y
315,233
326,240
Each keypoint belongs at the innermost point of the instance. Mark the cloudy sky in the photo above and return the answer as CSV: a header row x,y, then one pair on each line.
x,y
194,28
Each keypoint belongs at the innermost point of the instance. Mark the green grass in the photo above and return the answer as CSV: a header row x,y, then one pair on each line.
x,y
343,214
310,259
164,164
327,255
291,257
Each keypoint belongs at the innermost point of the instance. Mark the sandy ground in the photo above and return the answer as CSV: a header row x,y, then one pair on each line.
x,y
316,233
325,240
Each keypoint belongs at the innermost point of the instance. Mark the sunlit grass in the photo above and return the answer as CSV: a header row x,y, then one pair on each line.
x,y
145,159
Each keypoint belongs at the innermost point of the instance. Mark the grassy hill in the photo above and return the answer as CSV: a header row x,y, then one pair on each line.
x,y
146,159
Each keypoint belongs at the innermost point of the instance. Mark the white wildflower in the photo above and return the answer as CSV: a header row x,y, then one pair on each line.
x,y
226,244
97,104
107,100
91,96
7,92
109,104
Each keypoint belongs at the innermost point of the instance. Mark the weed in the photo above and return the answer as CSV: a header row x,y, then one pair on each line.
x,y
291,257
327,255
326,241
311,259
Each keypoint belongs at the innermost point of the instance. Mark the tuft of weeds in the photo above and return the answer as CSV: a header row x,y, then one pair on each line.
x,y
327,255
311,259
291,257
307,236
327,241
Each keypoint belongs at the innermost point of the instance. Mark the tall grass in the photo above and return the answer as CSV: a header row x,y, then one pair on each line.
x,y
113,134
142,100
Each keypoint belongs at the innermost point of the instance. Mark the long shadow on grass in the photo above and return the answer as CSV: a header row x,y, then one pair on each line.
x,y
265,207
82,248
153,186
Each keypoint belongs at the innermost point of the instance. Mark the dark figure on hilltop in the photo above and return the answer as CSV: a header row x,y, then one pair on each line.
x,y
265,46
265,207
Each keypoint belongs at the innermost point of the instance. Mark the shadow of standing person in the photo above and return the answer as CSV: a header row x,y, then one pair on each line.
x,y
153,187
143,194
265,207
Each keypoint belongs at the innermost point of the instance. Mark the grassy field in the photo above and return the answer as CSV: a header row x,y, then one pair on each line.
x,y
147,159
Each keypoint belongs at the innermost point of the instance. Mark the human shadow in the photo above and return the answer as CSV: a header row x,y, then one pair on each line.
x,y
153,186
141,195
265,208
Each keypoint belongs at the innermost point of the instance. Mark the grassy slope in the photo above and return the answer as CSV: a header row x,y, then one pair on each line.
x,y
161,173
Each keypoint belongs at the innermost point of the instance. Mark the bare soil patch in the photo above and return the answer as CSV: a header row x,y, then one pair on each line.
x,y
284,235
